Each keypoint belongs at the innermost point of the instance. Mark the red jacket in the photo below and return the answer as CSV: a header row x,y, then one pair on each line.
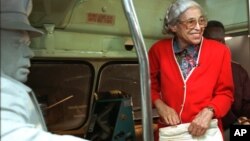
x,y
210,83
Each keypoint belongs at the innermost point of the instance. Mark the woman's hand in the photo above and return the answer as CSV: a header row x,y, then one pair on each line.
x,y
201,122
167,113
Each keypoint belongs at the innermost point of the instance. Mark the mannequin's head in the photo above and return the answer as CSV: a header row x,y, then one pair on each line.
x,y
15,54
16,32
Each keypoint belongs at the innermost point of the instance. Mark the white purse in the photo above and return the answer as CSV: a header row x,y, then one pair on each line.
x,y
180,133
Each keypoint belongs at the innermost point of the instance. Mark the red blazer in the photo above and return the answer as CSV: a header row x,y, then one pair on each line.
x,y
210,83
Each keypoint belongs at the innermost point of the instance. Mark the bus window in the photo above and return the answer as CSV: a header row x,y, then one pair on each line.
x,y
63,88
123,76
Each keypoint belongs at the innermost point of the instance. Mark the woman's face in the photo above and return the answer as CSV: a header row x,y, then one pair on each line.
x,y
190,27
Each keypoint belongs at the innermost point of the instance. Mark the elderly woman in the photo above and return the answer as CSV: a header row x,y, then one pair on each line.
x,y
191,77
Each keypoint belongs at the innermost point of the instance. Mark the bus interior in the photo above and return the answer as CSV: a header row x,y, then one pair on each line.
x,y
88,50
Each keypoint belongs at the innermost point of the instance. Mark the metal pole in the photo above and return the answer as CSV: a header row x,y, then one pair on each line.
x,y
248,17
248,8
144,69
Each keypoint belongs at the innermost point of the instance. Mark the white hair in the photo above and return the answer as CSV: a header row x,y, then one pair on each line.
x,y
175,10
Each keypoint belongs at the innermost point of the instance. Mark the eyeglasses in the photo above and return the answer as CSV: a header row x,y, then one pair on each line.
x,y
191,23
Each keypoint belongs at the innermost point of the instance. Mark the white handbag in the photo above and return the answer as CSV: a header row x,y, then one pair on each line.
x,y
180,133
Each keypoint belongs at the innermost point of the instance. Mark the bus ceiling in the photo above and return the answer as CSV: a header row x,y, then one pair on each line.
x,y
107,16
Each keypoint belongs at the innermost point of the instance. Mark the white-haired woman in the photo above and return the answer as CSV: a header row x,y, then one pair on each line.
x,y
191,77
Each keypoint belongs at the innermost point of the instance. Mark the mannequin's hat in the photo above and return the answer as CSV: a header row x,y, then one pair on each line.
x,y
14,16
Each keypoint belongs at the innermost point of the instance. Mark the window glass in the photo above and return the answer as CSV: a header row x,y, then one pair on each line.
x,y
125,77
63,89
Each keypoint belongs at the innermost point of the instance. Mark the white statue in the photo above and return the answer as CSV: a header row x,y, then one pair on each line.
x,y
21,117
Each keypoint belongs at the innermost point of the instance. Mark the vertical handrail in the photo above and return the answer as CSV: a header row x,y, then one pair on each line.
x,y
144,69
248,3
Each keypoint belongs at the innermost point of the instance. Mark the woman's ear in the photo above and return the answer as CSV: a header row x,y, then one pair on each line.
x,y
173,28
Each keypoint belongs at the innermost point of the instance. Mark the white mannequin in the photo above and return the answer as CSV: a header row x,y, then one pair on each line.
x,y
21,117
